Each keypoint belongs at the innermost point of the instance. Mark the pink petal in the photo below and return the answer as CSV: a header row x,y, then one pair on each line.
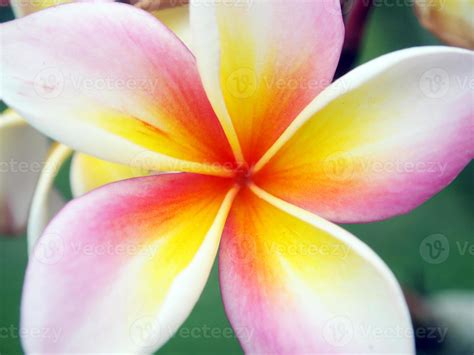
x,y
379,141
119,269
293,283
111,81
262,62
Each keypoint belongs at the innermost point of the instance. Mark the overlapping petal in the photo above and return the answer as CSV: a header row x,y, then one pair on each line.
x,y
293,283
177,20
89,173
112,81
119,269
25,7
452,21
262,62
47,201
22,152
381,140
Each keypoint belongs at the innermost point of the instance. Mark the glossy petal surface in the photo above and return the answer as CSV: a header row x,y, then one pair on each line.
x,y
136,101
293,283
262,62
379,141
119,269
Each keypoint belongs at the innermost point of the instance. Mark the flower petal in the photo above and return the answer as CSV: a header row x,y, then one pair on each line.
x,y
379,141
47,201
119,269
22,153
89,173
262,62
451,21
294,283
177,20
111,81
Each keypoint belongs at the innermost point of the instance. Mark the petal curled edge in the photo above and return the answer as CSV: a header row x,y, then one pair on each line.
x,y
23,151
177,20
47,201
293,282
262,62
379,141
110,80
119,269
87,173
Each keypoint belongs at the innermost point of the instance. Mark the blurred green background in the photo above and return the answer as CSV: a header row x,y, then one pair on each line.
x,y
397,241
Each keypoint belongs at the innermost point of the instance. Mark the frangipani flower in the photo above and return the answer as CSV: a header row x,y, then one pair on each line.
x,y
17,188
451,20
249,150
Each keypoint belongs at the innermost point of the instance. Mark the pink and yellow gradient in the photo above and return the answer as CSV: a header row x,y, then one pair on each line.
x,y
251,73
46,200
360,154
145,109
145,234
288,276
173,14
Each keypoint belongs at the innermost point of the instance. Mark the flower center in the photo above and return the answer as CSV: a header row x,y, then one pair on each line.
x,y
243,175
